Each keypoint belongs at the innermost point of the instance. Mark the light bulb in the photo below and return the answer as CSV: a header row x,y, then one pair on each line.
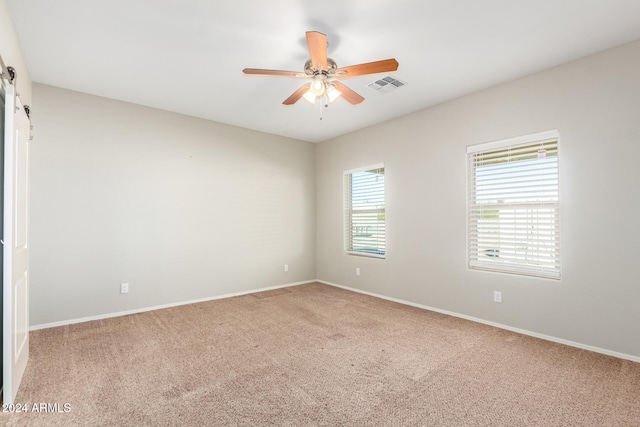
x,y
309,97
317,87
332,92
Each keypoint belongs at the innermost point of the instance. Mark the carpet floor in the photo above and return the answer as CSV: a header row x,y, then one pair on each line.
x,y
315,355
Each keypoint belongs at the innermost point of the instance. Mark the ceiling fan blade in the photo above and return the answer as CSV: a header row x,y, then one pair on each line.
x,y
295,96
317,43
383,66
275,73
348,94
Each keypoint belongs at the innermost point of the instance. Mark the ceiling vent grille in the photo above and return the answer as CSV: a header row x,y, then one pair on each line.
x,y
386,85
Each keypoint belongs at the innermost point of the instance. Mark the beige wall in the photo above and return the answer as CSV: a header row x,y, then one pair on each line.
x,y
180,208
183,208
595,105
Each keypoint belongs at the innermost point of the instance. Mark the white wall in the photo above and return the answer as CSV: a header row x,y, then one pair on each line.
x,y
180,208
12,55
595,104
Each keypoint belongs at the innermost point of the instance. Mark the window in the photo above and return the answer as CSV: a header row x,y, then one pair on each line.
x,y
513,206
364,216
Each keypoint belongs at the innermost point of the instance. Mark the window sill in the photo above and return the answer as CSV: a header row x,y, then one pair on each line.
x,y
365,254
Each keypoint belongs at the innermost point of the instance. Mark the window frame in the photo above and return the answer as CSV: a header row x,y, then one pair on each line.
x,y
545,209
347,213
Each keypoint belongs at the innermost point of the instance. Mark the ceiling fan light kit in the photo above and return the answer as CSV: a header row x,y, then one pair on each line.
x,y
325,74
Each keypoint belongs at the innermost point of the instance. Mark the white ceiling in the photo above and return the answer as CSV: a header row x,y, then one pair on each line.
x,y
187,56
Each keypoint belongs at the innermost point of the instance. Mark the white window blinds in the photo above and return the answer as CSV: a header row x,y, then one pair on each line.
x,y
364,211
513,206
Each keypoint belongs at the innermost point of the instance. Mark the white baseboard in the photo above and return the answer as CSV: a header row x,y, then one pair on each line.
x,y
497,325
158,307
412,304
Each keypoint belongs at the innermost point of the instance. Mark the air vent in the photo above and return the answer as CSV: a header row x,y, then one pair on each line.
x,y
386,84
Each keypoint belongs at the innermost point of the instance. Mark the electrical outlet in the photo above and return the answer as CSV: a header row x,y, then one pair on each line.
x,y
357,271
124,288
497,296
286,267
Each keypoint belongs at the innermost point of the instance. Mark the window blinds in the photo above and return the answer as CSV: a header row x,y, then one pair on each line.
x,y
513,206
364,203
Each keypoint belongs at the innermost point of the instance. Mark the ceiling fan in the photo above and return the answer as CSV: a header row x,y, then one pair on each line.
x,y
325,75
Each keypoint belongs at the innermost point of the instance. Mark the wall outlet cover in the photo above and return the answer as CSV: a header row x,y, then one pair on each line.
x,y
497,296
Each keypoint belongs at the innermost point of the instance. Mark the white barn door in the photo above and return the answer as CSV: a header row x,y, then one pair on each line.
x,y
16,249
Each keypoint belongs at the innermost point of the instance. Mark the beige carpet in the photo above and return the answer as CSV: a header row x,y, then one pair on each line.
x,y
316,355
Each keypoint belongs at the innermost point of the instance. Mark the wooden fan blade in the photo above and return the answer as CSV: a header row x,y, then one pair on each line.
x,y
348,94
275,73
317,43
295,96
383,66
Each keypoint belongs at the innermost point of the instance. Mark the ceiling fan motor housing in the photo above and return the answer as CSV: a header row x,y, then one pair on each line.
x,y
310,70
